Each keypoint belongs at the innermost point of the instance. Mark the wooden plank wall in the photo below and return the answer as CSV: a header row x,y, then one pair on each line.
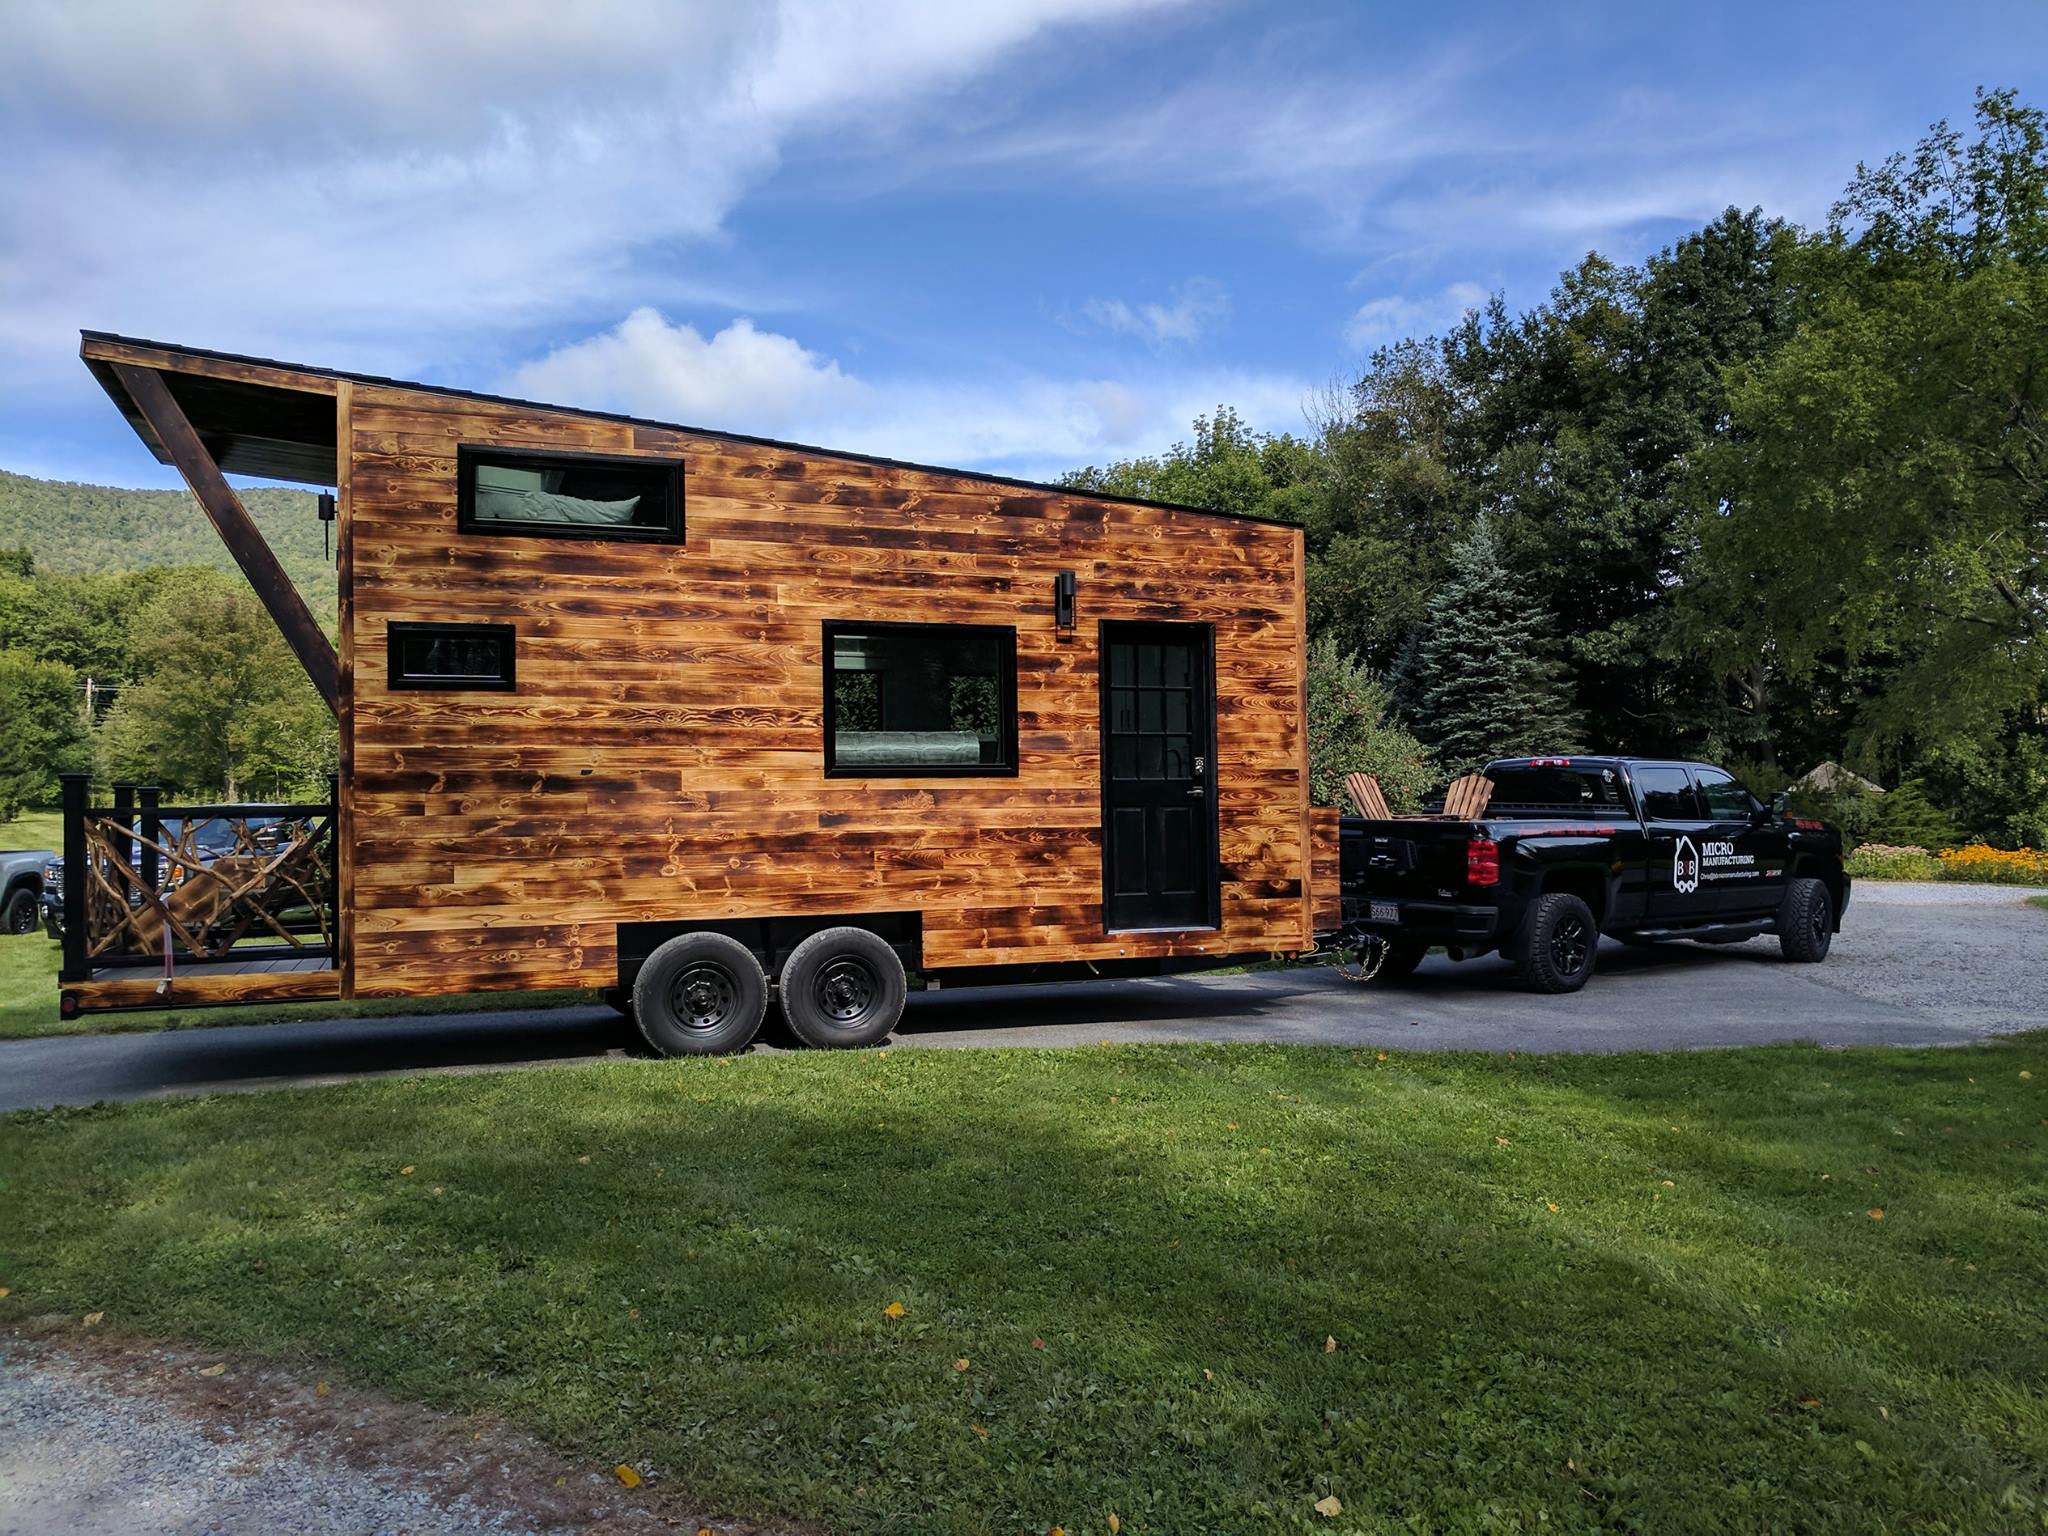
x,y
661,757
1326,874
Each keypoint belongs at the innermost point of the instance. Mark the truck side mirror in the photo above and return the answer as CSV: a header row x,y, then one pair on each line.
x,y
1780,802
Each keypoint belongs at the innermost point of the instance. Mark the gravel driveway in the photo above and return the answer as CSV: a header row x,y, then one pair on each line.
x,y
1915,965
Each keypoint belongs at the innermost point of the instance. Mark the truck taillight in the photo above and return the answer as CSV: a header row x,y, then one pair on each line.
x,y
1482,862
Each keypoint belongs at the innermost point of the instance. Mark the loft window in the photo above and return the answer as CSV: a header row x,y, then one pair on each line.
x,y
451,655
581,496
905,699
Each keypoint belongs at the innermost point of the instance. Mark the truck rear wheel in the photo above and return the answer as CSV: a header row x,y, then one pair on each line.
x,y
700,994
1806,921
842,988
1554,951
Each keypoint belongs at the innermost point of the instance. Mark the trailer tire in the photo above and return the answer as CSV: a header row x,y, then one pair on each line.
x,y
842,988
20,914
1806,921
700,994
1554,951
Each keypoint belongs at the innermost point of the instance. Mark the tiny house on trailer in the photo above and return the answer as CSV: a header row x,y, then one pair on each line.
x,y
700,717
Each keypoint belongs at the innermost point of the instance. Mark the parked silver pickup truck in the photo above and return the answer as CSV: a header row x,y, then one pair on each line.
x,y
21,881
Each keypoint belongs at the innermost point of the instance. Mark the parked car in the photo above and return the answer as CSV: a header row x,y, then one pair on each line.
x,y
1567,849
21,879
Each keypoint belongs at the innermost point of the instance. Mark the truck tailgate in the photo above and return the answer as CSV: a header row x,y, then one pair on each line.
x,y
1405,859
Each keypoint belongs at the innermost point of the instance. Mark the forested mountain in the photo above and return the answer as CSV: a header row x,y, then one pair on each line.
x,y
95,528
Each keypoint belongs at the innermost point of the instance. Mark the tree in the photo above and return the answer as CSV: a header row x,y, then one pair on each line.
x,y
1395,494
1882,496
1349,732
1227,468
42,730
220,698
1485,680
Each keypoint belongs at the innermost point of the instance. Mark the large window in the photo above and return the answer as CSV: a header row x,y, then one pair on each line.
x,y
450,655
920,699
510,490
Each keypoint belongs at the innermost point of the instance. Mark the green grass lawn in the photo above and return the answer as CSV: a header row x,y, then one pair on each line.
x,y
42,830
2038,901
1642,1292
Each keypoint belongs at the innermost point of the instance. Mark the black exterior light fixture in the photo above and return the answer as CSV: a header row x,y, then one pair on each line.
x,y
325,507
1063,600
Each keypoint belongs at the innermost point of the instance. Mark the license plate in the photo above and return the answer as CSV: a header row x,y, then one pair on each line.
x,y
1386,912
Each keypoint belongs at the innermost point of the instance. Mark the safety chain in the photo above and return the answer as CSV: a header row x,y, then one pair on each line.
x,y
1378,947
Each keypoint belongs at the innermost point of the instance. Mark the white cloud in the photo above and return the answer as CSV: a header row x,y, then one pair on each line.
x,y
742,379
745,379
1196,304
388,183
1395,316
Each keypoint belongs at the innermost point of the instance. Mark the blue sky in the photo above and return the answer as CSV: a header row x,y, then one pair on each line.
x,y
1014,234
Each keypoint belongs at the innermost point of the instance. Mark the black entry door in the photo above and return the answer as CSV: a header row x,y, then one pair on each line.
x,y
1158,776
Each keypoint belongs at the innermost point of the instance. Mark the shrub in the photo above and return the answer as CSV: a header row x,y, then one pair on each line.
x,y
1348,732
1890,861
1995,866
1907,816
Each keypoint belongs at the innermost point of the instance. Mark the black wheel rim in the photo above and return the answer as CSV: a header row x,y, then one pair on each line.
x,y
1817,923
846,990
1569,942
22,921
704,997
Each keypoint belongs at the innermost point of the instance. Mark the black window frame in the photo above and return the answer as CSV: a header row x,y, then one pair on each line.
x,y
398,680
469,456
1751,805
1006,704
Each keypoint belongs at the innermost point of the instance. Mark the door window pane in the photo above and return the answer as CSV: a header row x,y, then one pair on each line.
x,y
921,698
1667,794
1726,800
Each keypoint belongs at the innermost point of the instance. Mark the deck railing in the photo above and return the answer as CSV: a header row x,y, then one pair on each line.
x,y
147,883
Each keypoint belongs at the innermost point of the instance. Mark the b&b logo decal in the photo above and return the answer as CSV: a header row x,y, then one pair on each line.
x,y
1685,868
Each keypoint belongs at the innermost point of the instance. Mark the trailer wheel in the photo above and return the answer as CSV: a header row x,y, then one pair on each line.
x,y
1554,952
842,988
1806,921
700,994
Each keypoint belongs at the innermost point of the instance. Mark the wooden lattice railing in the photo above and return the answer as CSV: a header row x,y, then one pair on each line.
x,y
218,882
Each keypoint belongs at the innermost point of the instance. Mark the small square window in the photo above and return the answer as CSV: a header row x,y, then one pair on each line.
x,y
908,699
577,496
451,656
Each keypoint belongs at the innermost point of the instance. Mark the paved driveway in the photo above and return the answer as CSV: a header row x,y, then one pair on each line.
x,y
1917,965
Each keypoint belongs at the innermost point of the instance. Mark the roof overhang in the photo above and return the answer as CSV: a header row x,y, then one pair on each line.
x,y
269,422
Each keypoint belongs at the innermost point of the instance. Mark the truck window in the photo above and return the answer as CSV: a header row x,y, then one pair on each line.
x,y
1726,800
1550,786
1667,794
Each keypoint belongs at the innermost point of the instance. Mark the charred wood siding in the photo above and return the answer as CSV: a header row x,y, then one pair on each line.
x,y
661,758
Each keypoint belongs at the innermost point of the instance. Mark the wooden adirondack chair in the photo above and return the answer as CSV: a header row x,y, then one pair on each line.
x,y
1366,797
1467,798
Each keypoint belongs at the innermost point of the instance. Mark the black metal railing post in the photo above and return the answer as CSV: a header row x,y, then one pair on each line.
x,y
124,813
75,966
151,796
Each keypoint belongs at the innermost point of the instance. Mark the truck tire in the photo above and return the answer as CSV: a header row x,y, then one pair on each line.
x,y
1554,951
19,916
700,994
1806,921
842,988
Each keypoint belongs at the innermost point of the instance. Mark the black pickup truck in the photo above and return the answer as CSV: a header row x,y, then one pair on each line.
x,y
1569,848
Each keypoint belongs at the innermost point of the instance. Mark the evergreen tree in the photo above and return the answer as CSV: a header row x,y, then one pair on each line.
x,y
1486,680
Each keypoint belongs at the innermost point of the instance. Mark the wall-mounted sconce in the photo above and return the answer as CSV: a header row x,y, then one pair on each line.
x,y
1063,600
325,507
